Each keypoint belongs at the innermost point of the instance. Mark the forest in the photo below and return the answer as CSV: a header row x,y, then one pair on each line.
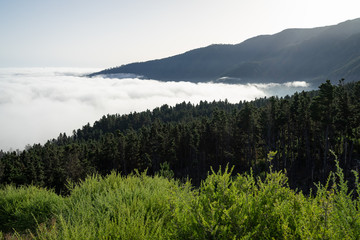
x,y
303,149
302,128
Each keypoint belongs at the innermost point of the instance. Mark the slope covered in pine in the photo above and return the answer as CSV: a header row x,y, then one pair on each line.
x,y
304,130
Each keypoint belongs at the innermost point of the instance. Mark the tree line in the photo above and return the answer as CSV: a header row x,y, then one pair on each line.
x,y
308,130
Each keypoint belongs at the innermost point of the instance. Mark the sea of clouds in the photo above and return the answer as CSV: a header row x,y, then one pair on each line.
x,y
36,104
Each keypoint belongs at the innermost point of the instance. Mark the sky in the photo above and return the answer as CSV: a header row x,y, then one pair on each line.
x,y
38,100
108,33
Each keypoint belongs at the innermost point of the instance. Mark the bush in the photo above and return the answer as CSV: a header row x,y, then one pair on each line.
x,y
26,207
116,207
241,207
224,207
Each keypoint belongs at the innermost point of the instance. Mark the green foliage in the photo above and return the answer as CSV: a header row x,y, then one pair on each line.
x,y
243,207
165,170
26,207
270,157
115,207
225,206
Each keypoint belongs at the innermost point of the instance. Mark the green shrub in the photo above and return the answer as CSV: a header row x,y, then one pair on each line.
x,y
116,207
224,207
242,207
26,207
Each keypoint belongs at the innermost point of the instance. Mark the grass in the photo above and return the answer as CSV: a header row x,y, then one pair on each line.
x,y
144,207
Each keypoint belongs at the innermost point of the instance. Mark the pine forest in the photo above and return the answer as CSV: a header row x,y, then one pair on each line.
x,y
271,168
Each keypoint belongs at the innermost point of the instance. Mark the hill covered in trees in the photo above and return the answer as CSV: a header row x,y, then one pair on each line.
x,y
189,139
311,55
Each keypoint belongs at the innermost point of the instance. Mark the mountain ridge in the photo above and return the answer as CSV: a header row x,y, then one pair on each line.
x,y
294,54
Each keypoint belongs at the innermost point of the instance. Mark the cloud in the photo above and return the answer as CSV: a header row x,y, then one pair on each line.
x,y
36,104
297,84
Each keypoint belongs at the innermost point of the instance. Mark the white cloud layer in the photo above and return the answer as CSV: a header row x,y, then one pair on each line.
x,y
36,104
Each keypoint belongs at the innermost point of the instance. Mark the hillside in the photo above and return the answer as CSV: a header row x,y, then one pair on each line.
x,y
330,52
304,130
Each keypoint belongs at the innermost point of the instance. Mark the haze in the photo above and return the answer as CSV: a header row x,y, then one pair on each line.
x,y
101,34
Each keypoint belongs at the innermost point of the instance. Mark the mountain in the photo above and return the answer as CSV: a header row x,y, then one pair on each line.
x,y
313,55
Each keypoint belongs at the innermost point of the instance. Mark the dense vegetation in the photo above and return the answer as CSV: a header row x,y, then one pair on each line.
x,y
315,54
190,139
138,206
88,186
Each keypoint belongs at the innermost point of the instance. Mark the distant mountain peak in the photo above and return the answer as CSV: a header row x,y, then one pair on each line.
x,y
295,54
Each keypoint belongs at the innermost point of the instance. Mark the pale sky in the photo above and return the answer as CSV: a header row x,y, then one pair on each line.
x,y
108,33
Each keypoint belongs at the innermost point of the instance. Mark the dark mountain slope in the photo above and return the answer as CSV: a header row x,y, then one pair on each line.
x,y
293,54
